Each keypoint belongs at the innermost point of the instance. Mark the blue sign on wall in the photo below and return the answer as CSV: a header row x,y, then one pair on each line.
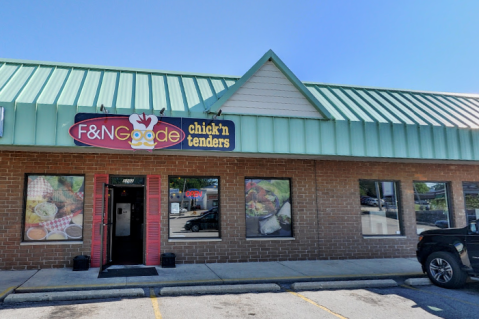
x,y
206,134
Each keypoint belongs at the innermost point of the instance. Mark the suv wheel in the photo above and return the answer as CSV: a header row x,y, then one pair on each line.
x,y
195,228
444,270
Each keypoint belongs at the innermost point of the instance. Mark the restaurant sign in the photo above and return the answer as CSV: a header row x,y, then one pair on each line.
x,y
149,132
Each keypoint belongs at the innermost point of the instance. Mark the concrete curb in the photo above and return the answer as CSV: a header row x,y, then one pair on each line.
x,y
219,289
418,282
291,280
380,283
182,283
74,295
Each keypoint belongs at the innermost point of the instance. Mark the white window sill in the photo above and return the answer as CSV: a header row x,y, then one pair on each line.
x,y
50,243
182,240
272,238
385,237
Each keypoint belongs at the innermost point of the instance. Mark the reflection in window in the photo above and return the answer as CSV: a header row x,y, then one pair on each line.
x,y
431,206
193,207
379,208
471,199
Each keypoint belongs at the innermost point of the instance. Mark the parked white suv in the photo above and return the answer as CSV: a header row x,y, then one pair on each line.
x,y
375,202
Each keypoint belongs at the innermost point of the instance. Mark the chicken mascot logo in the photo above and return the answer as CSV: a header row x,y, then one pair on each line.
x,y
142,136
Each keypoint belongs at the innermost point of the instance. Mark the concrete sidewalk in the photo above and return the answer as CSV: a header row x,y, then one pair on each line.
x,y
211,274
10,280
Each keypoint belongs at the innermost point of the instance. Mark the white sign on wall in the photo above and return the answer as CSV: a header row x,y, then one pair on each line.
x,y
388,189
175,208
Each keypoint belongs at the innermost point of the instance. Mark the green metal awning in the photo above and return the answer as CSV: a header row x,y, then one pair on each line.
x,y
41,99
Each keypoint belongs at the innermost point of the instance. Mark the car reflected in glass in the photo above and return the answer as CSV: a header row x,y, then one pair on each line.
x,y
208,221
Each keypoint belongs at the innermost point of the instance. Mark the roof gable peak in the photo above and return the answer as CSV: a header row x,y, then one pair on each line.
x,y
270,56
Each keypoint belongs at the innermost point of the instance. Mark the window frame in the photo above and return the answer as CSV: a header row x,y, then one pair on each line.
x,y
464,197
400,212
448,197
24,210
170,238
290,201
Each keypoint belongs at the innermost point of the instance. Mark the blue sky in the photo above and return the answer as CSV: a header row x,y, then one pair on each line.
x,y
417,45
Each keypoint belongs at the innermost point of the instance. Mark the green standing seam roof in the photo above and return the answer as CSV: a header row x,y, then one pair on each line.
x,y
42,98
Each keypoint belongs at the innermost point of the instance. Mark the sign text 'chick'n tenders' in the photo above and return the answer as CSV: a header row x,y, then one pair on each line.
x,y
149,132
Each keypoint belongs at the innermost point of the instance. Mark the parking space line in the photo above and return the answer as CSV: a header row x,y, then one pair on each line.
x,y
317,305
6,292
436,294
154,301
53,288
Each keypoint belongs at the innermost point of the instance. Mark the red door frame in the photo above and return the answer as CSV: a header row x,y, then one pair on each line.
x,y
153,219
99,181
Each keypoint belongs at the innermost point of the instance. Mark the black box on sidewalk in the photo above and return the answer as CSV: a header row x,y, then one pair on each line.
x,y
81,263
168,260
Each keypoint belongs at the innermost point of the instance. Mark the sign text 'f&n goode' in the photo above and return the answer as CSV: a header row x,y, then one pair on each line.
x,y
149,132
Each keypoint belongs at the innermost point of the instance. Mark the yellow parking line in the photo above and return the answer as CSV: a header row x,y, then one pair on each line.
x,y
20,289
436,294
150,283
6,292
317,305
154,301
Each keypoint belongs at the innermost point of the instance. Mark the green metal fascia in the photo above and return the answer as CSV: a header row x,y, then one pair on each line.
x,y
271,56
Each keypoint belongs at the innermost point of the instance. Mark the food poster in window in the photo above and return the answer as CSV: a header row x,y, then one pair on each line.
x,y
268,208
54,208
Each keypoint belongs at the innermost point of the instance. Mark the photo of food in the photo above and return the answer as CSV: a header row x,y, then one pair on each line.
x,y
54,208
268,207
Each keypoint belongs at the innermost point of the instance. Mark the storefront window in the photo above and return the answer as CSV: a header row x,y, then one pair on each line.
x,y
471,200
54,208
193,207
431,201
379,208
268,208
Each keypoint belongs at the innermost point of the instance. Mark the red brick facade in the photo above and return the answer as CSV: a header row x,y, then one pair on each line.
x,y
325,201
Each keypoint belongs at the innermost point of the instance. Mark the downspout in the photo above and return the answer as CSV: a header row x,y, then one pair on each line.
x,y
317,206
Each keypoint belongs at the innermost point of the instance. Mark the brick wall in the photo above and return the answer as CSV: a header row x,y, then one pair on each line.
x,y
338,201
326,226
